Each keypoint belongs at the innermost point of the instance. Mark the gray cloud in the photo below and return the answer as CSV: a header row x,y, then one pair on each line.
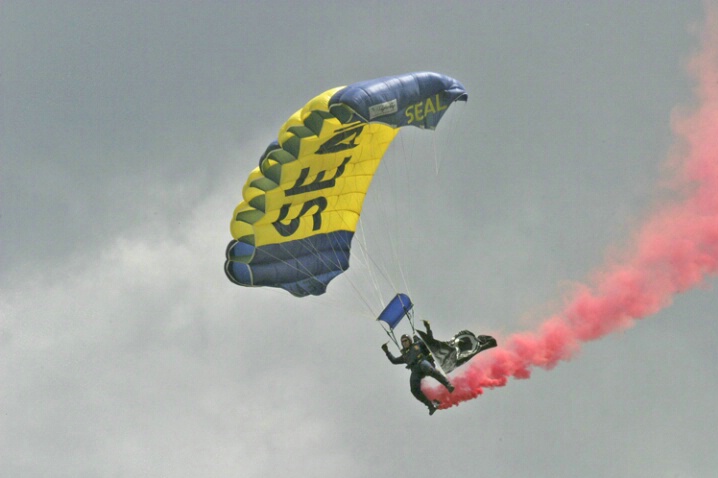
x,y
127,133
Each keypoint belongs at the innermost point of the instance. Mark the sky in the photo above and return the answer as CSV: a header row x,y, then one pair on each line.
x,y
127,130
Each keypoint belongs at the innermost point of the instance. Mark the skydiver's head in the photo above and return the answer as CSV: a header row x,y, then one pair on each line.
x,y
405,341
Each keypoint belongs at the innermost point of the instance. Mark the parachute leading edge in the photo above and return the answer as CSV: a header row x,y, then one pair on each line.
x,y
301,205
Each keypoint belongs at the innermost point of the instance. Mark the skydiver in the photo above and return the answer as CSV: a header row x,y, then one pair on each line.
x,y
418,359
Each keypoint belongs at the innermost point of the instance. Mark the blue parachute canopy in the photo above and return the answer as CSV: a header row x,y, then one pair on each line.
x,y
399,307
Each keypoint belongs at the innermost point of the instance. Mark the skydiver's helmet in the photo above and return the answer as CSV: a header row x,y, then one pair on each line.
x,y
405,341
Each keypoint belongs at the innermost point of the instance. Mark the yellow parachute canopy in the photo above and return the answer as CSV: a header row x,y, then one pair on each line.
x,y
294,226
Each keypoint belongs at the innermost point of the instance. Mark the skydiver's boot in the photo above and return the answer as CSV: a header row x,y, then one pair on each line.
x,y
445,382
432,409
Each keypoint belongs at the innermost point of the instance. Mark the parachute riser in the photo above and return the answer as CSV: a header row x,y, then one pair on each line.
x,y
410,316
398,308
390,333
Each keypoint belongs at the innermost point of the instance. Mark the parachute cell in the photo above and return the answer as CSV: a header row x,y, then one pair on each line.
x,y
301,205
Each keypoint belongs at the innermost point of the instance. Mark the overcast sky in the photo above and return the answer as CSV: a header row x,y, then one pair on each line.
x,y
127,130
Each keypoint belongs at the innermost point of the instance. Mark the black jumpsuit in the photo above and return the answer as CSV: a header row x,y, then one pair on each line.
x,y
416,357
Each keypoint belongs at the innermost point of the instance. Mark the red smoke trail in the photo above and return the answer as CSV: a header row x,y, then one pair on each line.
x,y
673,251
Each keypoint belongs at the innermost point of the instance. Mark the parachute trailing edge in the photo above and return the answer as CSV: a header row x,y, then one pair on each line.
x,y
295,224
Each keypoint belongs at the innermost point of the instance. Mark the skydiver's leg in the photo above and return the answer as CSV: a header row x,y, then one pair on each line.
x,y
427,369
415,384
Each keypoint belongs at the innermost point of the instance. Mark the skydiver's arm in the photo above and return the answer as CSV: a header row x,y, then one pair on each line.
x,y
392,359
429,333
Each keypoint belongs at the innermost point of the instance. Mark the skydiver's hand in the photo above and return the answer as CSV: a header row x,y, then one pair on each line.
x,y
385,347
426,323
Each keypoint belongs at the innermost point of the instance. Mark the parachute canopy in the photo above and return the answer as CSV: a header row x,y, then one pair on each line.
x,y
294,226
